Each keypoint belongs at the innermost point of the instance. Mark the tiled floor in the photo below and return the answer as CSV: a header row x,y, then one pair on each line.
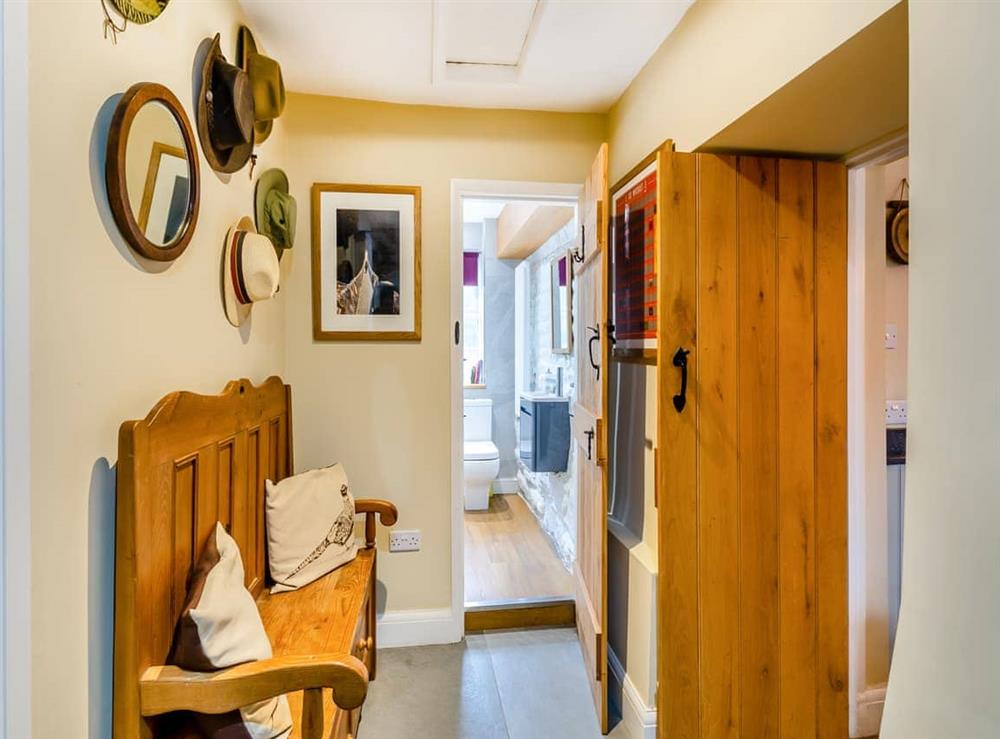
x,y
498,685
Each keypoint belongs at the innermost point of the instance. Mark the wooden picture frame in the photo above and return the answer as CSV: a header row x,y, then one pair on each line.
x,y
116,174
635,337
372,292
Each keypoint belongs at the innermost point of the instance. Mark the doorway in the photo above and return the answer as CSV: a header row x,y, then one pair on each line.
x,y
513,497
877,416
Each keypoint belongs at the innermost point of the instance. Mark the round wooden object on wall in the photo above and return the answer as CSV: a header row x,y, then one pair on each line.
x,y
140,11
898,239
152,172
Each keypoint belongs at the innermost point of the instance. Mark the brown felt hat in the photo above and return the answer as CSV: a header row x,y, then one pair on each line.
x,y
266,83
225,112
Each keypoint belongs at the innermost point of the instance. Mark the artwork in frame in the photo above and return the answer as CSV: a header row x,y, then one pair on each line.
x,y
633,263
366,262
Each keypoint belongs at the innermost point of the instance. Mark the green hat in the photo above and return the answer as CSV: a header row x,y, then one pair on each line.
x,y
266,83
275,209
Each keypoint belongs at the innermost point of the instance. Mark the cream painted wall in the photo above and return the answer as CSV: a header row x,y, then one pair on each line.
x,y
383,408
110,336
946,664
723,58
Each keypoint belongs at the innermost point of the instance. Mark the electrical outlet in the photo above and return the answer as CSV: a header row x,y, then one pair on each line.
x,y
404,540
895,413
891,336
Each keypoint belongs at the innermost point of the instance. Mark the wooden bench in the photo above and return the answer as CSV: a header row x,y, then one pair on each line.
x,y
192,461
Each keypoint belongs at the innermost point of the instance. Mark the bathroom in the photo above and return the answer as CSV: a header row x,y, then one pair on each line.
x,y
519,369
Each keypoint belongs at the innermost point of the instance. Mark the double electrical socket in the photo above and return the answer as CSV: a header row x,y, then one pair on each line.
x,y
404,540
895,413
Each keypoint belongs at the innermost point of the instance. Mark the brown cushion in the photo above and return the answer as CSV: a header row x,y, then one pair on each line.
x,y
221,627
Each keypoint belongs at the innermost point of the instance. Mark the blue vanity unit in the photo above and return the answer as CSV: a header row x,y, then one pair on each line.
x,y
545,434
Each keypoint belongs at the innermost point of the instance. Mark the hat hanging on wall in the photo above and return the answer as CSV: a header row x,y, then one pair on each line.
x,y
265,81
225,112
137,11
275,210
897,226
249,271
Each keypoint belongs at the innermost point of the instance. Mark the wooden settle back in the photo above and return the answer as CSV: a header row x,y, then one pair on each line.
x,y
194,460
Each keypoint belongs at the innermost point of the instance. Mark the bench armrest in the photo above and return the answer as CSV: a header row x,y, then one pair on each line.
x,y
386,511
169,688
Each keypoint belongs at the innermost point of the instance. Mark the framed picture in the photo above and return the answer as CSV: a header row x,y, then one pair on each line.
x,y
634,224
366,262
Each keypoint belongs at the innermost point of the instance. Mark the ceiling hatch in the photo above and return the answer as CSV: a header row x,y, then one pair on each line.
x,y
482,42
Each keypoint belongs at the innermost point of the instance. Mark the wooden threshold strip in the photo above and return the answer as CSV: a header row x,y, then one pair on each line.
x,y
520,614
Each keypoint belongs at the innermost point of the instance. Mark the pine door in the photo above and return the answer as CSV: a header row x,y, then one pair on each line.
x,y
590,282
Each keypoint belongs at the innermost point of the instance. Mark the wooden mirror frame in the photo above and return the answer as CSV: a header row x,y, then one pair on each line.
x,y
129,106
568,327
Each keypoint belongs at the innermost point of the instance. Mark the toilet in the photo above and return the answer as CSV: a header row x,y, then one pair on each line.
x,y
482,458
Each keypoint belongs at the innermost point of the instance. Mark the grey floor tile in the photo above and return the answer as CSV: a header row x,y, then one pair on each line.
x,y
543,685
438,692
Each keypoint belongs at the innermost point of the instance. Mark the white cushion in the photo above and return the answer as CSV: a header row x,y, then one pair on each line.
x,y
476,451
310,526
220,627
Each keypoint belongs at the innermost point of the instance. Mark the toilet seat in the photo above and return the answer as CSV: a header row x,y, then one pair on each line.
x,y
480,451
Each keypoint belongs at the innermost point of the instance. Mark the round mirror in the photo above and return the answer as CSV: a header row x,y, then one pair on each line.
x,y
152,172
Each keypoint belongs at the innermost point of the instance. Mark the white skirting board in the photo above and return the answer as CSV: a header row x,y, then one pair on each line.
x,y
505,485
419,627
870,705
638,719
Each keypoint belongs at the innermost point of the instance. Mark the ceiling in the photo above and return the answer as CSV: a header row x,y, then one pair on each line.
x,y
568,55
854,97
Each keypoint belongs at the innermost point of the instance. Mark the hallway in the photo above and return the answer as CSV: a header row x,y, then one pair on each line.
x,y
495,685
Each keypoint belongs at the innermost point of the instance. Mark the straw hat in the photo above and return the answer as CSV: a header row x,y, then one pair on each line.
x,y
249,271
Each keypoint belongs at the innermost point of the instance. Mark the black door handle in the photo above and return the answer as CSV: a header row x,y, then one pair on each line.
x,y
458,332
589,433
590,349
681,360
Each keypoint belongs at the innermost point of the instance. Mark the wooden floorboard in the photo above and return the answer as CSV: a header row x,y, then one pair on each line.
x,y
508,557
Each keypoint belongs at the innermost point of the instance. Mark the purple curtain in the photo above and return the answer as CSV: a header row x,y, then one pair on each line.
x,y
470,264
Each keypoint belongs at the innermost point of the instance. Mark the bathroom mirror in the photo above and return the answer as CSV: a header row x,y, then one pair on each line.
x,y
152,172
562,304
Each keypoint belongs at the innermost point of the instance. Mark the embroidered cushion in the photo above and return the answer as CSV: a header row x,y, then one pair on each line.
x,y
310,526
221,627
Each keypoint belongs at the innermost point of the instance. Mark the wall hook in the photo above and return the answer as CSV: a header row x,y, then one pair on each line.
x,y
579,252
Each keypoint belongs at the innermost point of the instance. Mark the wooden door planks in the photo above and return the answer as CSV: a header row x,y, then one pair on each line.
x,y
678,572
752,485
796,485
718,470
831,449
757,433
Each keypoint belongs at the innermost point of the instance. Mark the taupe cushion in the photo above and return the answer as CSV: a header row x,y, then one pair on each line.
x,y
221,627
310,526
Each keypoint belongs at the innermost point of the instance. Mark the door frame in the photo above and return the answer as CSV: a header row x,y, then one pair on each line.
x,y
865,702
467,188
15,400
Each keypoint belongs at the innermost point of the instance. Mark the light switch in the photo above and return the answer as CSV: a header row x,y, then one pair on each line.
x,y
890,336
